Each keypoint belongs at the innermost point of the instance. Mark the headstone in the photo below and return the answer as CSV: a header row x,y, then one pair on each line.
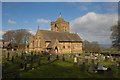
x,y
21,65
86,61
93,62
111,58
63,58
101,69
49,58
109,72
83,67
57,57
75,60
100,66
17,76
12,59
80,61
39,61
25,66
91,69
8,56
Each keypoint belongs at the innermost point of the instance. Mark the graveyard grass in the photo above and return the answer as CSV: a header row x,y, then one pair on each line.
x,y
55,69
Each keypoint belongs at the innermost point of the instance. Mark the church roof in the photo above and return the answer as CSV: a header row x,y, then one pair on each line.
x,y
60,36
52,43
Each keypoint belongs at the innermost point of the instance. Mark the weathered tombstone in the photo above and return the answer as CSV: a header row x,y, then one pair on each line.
x,y
32,59
49,58
12,59
17,76
101,69
8,56
16,54
83,67
57,57
75,60
111,58
86,61
109,72
21,65
80,61
91,69
63,58
39,61
93,62
28,66
119,63
25,66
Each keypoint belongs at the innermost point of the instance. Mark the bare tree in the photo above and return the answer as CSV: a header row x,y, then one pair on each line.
x,y
20,36
91,46
115,36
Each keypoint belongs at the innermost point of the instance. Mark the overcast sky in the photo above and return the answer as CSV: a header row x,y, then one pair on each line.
x,y
91,20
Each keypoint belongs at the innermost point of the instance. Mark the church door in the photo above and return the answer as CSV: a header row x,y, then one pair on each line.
x,y
56,49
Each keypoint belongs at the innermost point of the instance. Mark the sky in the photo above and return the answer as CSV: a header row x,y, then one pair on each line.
x,y
90,20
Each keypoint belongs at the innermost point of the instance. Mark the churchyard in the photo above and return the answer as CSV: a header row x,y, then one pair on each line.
x,y
31,65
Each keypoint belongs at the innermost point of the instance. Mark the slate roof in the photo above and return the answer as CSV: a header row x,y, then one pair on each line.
x,y
60,36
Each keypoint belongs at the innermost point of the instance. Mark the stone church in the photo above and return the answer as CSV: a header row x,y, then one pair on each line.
x,y
57,40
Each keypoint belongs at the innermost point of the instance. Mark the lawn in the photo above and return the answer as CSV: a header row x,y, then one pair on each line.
x,y
55,69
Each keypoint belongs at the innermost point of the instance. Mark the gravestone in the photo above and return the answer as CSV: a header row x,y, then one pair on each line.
x,y
100,66
101,69
93,61
16,54
39,61
80,61
83,67
86,61
57,57
25,66
111,58
8,56
75,60
12,59
91,69
17,76
21,65
63,58
109,72
49,58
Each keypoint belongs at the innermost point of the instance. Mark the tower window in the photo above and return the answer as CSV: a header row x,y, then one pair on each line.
x,y
63,47
68,46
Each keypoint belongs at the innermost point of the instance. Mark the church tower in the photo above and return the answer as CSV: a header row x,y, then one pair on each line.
x,y
60,25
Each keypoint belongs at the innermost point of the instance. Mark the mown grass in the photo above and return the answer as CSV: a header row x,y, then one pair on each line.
x,y
56,69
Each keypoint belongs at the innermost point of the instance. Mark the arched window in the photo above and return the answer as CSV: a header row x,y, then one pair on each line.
x,y
63,47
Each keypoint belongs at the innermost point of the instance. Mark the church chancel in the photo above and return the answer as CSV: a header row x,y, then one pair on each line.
x,y
57,40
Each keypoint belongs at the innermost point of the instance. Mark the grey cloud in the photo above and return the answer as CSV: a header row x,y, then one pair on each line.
x,y
94,27
12,22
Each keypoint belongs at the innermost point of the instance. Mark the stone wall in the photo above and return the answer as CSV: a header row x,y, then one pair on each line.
x,y
63,47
